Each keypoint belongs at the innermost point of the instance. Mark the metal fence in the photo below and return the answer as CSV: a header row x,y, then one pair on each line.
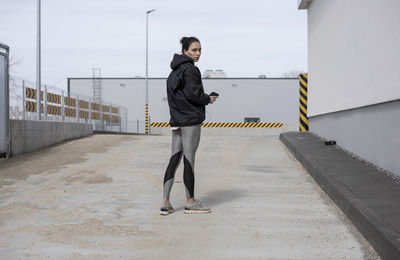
x,y
61,105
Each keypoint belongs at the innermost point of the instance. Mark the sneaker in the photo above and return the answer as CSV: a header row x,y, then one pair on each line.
x,y
196,208
166,210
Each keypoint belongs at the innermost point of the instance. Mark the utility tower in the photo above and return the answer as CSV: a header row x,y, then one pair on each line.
x,y
97,85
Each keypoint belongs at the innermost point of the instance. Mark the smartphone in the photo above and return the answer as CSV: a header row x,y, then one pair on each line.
x,y
214,94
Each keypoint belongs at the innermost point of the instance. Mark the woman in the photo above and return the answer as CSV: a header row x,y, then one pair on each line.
x,y
187,101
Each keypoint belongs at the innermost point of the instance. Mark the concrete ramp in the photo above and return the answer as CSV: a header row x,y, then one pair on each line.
x,y
99,198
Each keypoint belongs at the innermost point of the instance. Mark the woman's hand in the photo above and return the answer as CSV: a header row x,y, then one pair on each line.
x,y
212,99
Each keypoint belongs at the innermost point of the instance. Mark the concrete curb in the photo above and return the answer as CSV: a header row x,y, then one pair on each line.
x,y
368,197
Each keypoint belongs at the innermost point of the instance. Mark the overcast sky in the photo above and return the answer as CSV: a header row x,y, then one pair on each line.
x,y
243,38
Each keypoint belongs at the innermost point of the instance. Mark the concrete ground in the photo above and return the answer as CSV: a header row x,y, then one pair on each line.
x,y
99,198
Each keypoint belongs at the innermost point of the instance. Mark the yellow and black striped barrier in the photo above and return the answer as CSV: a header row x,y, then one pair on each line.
x,y
95,107
105,108
83,104
227,125
115,119
53,98
71,102
31,106
54,110
70,112
106,117
147,119
95,116
303,79
83,114
31,93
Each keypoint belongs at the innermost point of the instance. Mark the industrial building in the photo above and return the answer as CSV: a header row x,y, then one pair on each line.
x,y
269,100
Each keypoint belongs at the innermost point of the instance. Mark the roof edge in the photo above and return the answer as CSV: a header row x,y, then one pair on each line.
x,y
303,4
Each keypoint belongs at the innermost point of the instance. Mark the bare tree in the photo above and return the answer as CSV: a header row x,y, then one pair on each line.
x,y
14,88
292,74
13,63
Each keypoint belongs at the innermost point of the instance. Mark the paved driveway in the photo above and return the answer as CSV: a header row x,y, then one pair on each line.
x,y
99,198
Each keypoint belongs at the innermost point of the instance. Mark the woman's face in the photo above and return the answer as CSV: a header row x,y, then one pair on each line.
x,y
194,51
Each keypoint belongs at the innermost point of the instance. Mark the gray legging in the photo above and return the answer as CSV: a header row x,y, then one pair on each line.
x,y
185,141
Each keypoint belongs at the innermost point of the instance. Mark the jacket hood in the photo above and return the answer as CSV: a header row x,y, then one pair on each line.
x,y
180,59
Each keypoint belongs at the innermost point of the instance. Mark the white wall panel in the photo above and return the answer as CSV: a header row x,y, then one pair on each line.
x,y
272,100
353,54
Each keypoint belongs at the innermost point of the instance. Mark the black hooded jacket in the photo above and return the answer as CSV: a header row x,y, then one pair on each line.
x,y
186,97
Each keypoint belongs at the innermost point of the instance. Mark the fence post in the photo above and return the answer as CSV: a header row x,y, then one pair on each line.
x,y
111,123
23,100
101,116
77,108
45,102
62,106
5,141
90,110
119,118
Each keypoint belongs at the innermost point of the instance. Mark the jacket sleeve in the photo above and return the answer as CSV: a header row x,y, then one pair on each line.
x,y
193,87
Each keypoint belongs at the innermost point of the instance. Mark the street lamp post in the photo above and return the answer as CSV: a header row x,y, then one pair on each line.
x,y
147,71
38,72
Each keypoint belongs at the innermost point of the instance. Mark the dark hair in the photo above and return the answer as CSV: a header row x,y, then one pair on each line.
x,y
187,41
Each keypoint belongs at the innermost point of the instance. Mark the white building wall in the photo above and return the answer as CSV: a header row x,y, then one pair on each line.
x,y
272,100
353,80
353,54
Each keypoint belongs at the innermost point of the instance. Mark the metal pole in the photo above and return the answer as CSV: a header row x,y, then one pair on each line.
x,y
62,106
5,136
110,119
101,116
23,100
147,72
38,72
45,102
77,108
90,110
119,118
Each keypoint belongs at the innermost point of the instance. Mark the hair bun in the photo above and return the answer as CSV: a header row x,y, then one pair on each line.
x,y
183,39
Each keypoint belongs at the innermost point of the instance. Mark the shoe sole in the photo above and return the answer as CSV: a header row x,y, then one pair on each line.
x,y
165,213
192,211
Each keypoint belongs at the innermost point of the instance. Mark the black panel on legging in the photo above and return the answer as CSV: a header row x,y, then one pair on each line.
x,y
173,164
188,177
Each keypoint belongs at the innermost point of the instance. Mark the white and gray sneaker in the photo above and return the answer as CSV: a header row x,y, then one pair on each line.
x,y
196,208
166,210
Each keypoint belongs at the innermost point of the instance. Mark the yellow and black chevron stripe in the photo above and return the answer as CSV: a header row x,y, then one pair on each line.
x,y
53,98
95,116
106,108
95,107
227,125
106,117
70,112
53,110
83,104
147,120
71,102
30,93
31,106
303,127
83,114
115,119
